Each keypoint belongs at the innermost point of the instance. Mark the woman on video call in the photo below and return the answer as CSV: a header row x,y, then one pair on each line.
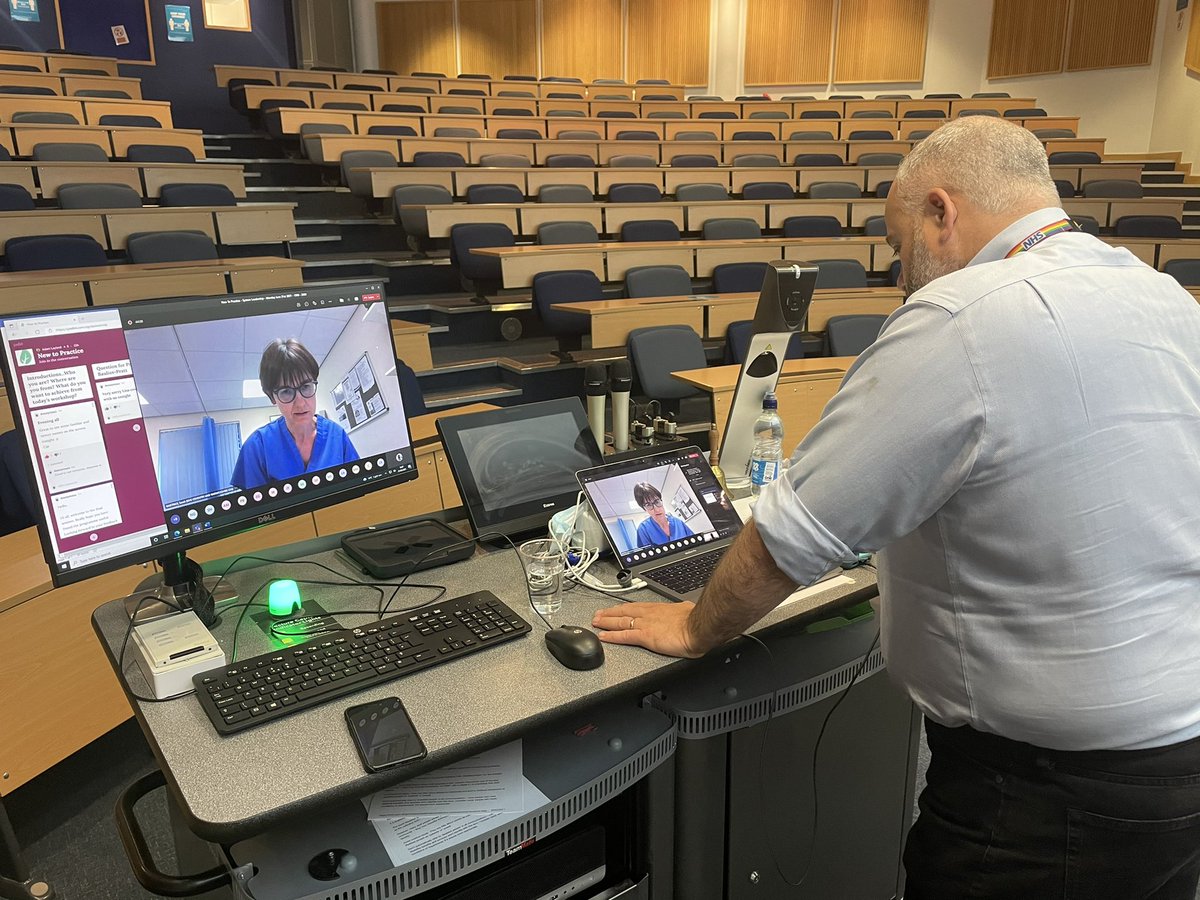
x,y
659,527
300,440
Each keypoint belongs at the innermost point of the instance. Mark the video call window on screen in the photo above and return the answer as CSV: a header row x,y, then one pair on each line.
x,y
151,424
652,507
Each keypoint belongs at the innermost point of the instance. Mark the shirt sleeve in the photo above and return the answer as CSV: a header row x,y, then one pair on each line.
x,y
897,440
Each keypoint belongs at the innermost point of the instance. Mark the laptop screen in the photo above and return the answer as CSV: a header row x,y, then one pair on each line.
x,y
660,508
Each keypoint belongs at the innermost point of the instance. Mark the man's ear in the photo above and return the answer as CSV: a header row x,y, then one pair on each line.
x,y
943,212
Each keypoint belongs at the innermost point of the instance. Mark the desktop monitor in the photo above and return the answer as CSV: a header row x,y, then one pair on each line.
x,y
147,430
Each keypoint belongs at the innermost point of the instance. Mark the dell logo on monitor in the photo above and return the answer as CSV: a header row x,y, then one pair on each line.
x,y
269,517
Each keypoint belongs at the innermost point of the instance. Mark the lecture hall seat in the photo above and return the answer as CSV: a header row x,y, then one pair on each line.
x,y
170,246
53,251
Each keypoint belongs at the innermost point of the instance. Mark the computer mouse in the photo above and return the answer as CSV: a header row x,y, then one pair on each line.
x,y
575,647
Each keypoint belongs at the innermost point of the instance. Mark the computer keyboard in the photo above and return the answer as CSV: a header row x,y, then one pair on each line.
x,y
691,574
264,688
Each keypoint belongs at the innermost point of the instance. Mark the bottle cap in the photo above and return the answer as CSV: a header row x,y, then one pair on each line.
x,y
770,401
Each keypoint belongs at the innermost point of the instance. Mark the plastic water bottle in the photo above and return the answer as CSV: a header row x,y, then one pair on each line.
x,y
766,459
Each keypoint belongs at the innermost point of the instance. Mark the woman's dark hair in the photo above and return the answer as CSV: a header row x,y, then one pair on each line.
x,y
286,362
643,492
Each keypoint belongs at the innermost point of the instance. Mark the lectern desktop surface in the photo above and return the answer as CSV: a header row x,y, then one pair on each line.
x,y
231,788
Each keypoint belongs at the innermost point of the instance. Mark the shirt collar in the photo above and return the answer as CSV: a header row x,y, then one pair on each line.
x,y
999,246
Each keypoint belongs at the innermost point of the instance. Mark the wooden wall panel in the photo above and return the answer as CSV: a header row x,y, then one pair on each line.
x,y
581,38
788,41
498,37
1027,37
880,41
669,39
416,36
1111,33
1191,57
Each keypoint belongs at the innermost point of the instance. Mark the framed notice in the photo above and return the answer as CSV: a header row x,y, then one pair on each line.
x,y
357,397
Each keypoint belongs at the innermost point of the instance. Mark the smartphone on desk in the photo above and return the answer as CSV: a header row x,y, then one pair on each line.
x,y
384,735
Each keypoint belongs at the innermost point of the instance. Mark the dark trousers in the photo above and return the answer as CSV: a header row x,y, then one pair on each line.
x,y
1002,819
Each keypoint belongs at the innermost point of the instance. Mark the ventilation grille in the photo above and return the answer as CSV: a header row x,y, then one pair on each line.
x,y
695,726
459,861
815,689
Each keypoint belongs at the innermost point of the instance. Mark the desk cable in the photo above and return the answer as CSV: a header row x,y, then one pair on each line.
x,y
812,839
580,557
244,607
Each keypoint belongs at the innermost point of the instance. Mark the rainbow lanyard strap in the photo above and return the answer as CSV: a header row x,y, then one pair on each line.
x,y
1040,235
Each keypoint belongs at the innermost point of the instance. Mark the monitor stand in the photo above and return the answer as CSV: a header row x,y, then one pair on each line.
x,y
180,587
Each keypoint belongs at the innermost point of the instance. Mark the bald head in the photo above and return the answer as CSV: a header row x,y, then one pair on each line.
x,y
996,166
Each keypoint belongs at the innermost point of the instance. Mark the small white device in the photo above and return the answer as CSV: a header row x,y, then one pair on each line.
x,y
170,650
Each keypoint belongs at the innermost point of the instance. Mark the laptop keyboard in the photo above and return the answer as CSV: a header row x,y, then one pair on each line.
x,y
690,574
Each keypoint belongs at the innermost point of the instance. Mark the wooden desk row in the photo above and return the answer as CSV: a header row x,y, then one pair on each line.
x,y
287,120
332,87
56,62
710,315
86,110
608,218
53,718
610,261
45,178
259,223
530,181
328,148
339,80
108,285
1157,252
20,139
255,95
67,85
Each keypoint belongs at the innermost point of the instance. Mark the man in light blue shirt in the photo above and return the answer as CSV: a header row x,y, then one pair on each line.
x,y
1022,447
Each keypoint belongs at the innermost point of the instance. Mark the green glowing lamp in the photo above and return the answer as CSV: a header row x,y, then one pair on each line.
x,y
283,597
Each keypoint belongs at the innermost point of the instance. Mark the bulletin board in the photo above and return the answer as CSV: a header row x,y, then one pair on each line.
x,y
358,398
88,25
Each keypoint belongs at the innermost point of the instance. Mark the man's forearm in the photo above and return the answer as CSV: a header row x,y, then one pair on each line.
x,y
746,586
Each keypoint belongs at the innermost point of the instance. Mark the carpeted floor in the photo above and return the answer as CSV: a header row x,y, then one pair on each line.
x,y
64,821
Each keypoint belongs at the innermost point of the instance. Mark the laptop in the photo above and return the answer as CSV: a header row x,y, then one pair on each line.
x,y
665,517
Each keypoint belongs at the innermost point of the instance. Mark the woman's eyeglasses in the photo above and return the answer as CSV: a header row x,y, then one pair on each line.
x,y
288,394
652,504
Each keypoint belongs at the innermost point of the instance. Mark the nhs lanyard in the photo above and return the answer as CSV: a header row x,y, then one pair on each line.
x,y
1040,235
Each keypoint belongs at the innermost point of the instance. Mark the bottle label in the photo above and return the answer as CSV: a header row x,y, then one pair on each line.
x,y
763,471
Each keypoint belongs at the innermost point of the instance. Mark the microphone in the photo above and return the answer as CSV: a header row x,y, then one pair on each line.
x,y
622,379
595,383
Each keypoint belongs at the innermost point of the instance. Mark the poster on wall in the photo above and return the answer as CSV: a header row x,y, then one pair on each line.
x,y
24,10
120,35
179,23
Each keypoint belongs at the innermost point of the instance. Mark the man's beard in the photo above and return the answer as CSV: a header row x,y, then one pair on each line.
x,y
923,267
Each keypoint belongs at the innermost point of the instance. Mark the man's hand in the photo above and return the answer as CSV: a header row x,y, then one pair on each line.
x,y
661,627
746,586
